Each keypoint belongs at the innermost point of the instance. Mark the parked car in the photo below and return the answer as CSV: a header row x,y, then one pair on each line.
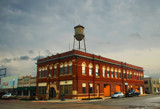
x,y
147,92
132,93
117,95
1,94
8,96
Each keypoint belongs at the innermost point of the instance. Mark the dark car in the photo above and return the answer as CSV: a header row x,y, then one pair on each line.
x,y
147,92
132,93
1,94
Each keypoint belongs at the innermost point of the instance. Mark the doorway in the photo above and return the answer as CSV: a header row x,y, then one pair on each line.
x,y
52,92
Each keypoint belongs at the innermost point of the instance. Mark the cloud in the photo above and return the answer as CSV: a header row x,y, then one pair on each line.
x,y
38,57
135,35
24,58
6,60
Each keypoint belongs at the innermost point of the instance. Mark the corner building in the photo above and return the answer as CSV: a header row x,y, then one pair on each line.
x,y
80,75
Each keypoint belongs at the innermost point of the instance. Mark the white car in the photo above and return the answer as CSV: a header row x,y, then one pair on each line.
x,y
8,95
117,95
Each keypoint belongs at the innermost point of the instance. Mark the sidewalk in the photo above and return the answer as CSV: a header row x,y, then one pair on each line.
x,y
71,100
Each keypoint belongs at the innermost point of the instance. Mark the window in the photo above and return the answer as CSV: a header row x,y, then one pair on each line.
x,y
66,89
97,70
83,88
115,73
90,69
70,68
90,88
83,68
25,92
153,82
130,75
50,71
65,68
158,89
154,89
42,90
112,73
103,71
108,72
39,73
119,73
127,74
61,69
55,70
43,73
135,76
19,92
124,75
145,82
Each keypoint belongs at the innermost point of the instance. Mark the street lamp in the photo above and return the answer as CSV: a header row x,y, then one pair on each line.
x,y
13,85
49,85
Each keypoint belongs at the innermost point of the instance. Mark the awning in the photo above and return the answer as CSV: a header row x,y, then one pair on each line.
x,y
26,88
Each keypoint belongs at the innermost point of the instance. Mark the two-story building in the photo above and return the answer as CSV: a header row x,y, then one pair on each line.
x,y
80,75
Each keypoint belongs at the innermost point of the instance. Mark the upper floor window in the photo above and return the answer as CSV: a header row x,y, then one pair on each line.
x,y
70,67
145,82
116,73
103,71
90,69
55,70
130,75
97,70
124,73
61,69
112,72
119,73
108,72
50,70
45,72
84,68
153,82
127,74
65,68
135,76
39,73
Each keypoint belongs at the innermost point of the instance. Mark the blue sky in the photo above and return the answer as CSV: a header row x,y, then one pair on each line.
x,y
124,30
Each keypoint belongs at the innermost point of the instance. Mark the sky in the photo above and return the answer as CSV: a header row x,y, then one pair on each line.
x,y
123,30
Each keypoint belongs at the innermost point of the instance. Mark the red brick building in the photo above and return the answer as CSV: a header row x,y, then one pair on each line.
x,y
82,75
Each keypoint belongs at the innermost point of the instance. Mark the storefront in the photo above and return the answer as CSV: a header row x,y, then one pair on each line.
x,y
26,87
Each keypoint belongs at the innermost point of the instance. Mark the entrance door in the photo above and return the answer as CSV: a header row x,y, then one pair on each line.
x,y
141,90
107,90
52,92
118,88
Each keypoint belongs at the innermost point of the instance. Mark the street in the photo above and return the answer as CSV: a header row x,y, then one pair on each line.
x,y
142,102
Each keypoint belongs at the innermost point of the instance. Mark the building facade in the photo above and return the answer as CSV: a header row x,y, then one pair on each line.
x,y
152,85
83,75
26,87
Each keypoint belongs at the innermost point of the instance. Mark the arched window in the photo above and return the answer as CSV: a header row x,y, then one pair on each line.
x,y
130,75
97,70
115,72
119,73
55,70
70,67
65,68
112,72
39,75
104,71
84,68
135,76
124,73
108,72
90,69
42,72
127,74
45,72
50,70
61,69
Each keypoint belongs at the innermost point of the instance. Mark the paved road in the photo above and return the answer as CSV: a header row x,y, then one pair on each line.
x,y
143,102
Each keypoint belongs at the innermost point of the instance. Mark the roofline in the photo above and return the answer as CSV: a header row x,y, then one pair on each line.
x,y
89,58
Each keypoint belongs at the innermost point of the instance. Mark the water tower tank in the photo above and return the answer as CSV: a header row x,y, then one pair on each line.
x,y
79,32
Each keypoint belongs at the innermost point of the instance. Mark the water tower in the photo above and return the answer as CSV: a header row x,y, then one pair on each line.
x,y
79,36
